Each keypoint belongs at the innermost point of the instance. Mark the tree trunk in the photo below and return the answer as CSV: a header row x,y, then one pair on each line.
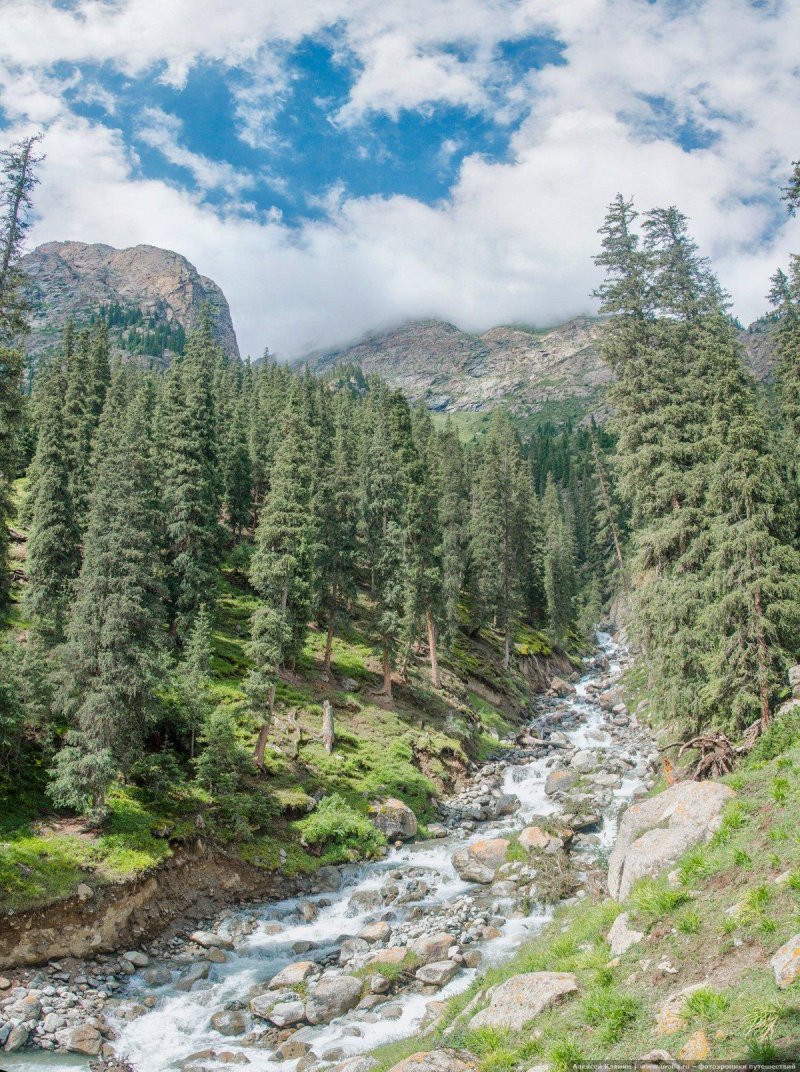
x,y
763,662
507,649
436,676
263,733
386,689
328,735
326,662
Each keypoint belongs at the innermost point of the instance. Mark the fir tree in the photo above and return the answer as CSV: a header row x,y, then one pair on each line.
x,y
560,581
193,675
112,665
53,548
281,569
191,477
79,424
11,370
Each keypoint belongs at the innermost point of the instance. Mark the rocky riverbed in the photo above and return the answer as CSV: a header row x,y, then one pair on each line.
x,y
315,982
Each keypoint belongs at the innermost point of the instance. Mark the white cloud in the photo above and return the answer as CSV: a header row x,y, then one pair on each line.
x,y
514,240
161,131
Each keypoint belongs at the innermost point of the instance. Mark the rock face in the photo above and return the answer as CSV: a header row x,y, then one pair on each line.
x,y
73,279
622,936
655,832
527,370
395,820
522,998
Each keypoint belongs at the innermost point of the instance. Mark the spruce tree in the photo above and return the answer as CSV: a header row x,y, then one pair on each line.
x,y
785,297
192,488
111,662
11,370
281,569
453,491
79,425
337,509
560,580
193,675
53,540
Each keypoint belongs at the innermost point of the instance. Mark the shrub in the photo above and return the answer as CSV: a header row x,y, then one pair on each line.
x,y
781,734
335,823
158,774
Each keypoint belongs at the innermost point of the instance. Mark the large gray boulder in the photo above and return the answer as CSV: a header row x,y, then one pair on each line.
x,y
521,999
394,819
656,831
331,997
481,860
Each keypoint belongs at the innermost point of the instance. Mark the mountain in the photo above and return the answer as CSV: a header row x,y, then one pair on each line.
x,y
149,296
556,371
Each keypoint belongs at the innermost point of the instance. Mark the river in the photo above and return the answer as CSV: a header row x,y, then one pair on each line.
x,y
266,936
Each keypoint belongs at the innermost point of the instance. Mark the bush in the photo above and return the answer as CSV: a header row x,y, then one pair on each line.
x,y
157,774
781,734
336,824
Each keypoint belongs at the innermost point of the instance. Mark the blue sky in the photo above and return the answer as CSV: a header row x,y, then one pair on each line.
x,y
342,165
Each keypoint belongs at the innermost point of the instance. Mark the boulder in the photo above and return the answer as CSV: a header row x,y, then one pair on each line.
x,y
481,860
136,958
433,947
394,819
158,976
439,973
519,1000
558,781
534,839
621,936
438,1061
229,1022
375,932
670,1017
287,1012
17,1038
794,680
654,832
293,974
584,760
81,1039
331,997
356,1064
209,940
786,963
561,687
695,1048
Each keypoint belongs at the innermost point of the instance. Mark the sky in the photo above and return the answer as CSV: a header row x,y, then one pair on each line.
x,y
342,166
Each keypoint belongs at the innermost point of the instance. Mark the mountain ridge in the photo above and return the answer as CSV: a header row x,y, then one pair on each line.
x,y
156,293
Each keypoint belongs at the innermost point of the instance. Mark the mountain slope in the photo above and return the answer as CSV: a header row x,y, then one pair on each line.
x,y
150,296
532,372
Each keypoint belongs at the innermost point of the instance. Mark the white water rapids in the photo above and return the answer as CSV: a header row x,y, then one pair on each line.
x,y
179,1023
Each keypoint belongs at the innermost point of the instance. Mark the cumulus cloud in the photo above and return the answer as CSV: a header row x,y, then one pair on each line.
x,y
513,240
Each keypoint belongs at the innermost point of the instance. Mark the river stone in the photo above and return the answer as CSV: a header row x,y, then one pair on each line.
x,y
137,958
352,947
229,1022
522,998
331,997
17,1038
621,936
534,839
293,974
559,781
209,940
159,976
81,1039
481,860
584,761
431,948
439,973
216,956
393,955
438,1061
286,1013
394,819
786,963
375,932
561,687
328,879
654,832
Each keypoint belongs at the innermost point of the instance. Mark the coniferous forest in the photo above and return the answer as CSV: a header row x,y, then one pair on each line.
x,y
141,490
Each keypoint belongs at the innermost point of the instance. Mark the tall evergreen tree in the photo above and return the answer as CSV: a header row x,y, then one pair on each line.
x,y
281,570
112,661
560,580
79,424
53,541
453,492
193,675
191,477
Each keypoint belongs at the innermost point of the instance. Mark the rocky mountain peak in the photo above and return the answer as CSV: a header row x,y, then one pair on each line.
x,y
150,296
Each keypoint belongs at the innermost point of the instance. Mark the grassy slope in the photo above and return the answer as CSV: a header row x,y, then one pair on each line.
x,y
413,748
735,902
